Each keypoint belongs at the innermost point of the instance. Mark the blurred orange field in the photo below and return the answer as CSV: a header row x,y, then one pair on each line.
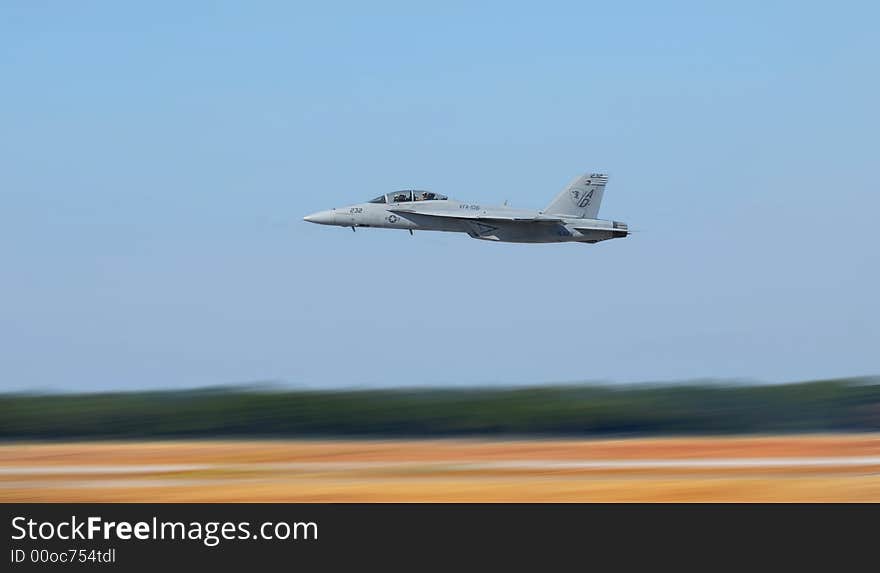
x,y
841,467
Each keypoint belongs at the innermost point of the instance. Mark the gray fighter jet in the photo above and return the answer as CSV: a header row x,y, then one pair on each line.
x,y
570,217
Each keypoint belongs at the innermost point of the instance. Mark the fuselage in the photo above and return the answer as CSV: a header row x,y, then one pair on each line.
x,y
424,211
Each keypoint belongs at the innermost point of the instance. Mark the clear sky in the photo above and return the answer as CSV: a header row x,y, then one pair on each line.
x,y
157,158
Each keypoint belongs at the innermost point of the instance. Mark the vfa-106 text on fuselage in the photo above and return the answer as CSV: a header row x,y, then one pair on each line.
x,y
570,217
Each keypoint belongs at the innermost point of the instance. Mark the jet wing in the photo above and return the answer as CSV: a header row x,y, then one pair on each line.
x,y
474,216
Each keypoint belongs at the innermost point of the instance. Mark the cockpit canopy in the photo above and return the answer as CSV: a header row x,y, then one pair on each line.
x,y
409,195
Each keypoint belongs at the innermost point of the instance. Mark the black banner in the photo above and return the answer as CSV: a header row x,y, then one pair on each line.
x,y
412,536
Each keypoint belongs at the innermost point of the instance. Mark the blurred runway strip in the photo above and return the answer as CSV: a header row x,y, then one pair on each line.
x,y
829,467
529,465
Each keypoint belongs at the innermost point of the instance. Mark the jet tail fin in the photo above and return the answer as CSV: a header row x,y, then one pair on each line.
x,y
581,198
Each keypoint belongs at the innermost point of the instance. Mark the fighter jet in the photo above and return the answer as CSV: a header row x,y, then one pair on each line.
x,y
570,217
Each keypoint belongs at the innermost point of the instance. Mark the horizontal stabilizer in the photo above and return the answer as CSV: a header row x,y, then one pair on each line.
x,y
617,229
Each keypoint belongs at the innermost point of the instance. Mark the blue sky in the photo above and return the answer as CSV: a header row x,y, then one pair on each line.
x,y
156,161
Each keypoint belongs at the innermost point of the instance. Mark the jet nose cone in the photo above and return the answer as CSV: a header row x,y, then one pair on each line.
x,y
321,217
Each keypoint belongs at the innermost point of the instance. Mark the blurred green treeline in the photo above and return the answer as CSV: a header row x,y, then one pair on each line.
x,y
843,405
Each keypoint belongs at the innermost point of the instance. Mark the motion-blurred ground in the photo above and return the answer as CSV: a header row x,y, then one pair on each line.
x,y
844,467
